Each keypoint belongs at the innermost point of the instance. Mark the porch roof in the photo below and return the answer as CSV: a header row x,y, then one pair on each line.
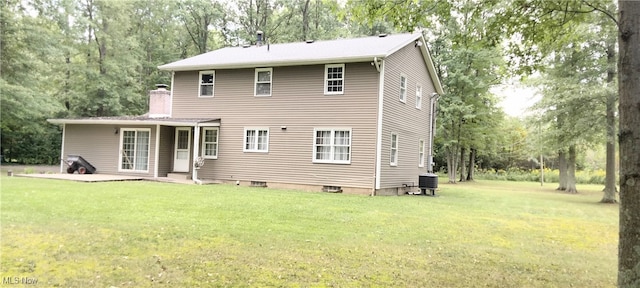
x,y
139,120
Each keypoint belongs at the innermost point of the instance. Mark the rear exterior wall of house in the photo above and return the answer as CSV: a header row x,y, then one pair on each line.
x,y
297,106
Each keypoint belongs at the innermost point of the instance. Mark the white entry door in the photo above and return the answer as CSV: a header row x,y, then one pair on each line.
x,y
182,149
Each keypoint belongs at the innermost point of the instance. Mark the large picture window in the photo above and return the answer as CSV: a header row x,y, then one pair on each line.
x,y
134,152
263,81
332,146
210,143
334,79
207,78
256,140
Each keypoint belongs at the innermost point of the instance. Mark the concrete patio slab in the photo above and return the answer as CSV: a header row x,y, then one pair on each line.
x,y
83,177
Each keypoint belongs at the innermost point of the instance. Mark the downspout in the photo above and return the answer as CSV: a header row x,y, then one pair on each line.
x,y
432,125
196,149
380,67
62,150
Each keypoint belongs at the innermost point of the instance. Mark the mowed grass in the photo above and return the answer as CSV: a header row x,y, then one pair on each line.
x,y
141,234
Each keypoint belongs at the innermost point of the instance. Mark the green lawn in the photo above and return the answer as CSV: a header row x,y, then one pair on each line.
x,y
138,234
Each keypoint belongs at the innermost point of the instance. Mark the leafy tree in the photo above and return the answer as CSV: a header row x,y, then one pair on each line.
x,y
28,64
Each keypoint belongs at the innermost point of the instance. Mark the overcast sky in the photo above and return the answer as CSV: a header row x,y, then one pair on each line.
x,y
515,98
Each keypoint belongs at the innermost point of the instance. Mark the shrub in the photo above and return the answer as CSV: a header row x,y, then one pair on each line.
x,y
550,176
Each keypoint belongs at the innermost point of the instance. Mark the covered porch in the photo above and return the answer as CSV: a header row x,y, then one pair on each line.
x,y
140,146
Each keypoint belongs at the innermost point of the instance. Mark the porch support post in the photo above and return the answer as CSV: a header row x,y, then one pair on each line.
x,y
157,154
196,152
62,165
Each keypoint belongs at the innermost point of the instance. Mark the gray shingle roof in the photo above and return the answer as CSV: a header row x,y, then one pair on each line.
x,y
137,120
301,53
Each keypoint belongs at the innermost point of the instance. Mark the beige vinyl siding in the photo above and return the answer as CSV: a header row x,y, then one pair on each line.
x,y
165,161
411,124
100,145
297,102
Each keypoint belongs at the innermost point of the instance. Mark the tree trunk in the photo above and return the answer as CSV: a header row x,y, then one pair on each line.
x,y
610,179
629,139
562,168
472,164
462,165
571,171
305,21
452,162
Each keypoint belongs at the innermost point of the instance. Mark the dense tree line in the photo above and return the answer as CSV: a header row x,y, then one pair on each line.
x,y
70,58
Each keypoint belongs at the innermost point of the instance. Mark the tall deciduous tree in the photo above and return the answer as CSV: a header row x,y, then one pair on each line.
x,y
629,89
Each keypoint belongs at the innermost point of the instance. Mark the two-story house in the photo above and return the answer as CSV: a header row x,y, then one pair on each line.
x,y
351,115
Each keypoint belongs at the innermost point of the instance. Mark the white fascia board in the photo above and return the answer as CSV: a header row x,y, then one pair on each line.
x,y
127,122
431,66
269,63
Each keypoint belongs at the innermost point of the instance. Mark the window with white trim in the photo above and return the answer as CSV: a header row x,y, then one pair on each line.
x,y
419,96
134,149
421,153
210,143
332,146
403,88
393,157
256,140
263,81
333,79
206,80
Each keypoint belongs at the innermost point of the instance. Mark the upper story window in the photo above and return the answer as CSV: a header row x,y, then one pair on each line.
x,y
256,140
210,143
419,96
393,157
206,83
403,88
332,146
334,79
263,81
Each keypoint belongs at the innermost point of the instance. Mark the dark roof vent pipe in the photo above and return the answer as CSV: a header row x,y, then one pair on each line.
x,y
259,38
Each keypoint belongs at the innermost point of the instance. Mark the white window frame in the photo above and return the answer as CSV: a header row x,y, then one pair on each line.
x,y
421,153
418,96
332,145
212,84
255,140
326,79
205,143
256,82
120,149
403,88
393,150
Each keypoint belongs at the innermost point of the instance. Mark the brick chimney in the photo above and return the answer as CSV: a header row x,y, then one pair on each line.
x,y
160,102
259,38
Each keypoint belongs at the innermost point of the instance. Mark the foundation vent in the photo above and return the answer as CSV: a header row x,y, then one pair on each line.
x,y
258,184
332,189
